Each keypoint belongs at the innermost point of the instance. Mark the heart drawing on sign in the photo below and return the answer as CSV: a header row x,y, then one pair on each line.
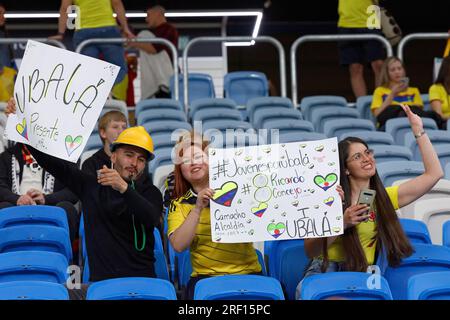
x,y
276,230
259,211
326,182
329,201
22,128
73,144
225,194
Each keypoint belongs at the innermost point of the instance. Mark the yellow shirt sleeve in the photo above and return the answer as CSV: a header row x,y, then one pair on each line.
x,y
393,195
435,93
177,215
377,99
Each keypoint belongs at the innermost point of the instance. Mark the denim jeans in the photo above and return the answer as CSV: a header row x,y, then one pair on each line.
x,y
111,52
315,267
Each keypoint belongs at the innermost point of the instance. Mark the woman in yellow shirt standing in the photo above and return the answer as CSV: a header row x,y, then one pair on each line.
x,y
440,91
395,90
370,230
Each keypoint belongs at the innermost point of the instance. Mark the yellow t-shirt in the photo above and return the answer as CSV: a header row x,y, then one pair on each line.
x,y
411,96
207,257
95,13
438,92
367,234
353,13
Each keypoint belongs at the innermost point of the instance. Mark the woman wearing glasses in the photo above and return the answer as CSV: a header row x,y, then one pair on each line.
x,y
367,230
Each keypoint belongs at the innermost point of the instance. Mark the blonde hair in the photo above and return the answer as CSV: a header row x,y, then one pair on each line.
x,y
107,118
384,74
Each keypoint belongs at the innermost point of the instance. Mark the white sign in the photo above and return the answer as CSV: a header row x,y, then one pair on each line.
x,y
59,96
275,192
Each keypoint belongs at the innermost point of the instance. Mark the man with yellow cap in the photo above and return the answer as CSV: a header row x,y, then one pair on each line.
x,y
119,210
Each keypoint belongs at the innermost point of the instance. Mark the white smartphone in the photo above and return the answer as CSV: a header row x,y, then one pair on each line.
x,y
405,80
367,196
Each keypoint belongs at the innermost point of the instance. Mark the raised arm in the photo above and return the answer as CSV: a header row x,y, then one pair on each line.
x,y
417,187
62,21
119,9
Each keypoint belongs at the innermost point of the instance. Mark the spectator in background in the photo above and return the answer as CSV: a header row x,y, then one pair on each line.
x,y
97,21
439,92
7,73
5,50
353,18
156,60
395,90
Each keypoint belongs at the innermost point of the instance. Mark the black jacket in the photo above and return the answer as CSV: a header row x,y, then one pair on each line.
x,y
108,221
60,192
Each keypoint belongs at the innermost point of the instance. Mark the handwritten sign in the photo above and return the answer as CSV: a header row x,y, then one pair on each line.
x,y
59,95
275,192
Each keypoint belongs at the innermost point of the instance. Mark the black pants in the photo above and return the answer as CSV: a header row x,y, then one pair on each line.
x,y
396,111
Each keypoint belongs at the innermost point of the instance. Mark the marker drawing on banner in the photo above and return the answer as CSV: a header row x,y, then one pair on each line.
x,y
59,99
275,192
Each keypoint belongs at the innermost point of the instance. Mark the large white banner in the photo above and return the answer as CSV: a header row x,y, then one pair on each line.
x,y
59,96
275,192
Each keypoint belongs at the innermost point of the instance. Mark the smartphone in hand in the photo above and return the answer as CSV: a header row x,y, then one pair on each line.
x,y
367,196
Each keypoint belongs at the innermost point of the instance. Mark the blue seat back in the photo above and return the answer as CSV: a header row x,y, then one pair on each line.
x,y
30,215
363,106
338,127
167,127
267,102
322,115
308,104
242,86
157,103
158,115
391,171
372,138
437,138
300,136
399,127
391,153
217,114
416,231
210,104
429,286
446,234
200,85
33,290
263,115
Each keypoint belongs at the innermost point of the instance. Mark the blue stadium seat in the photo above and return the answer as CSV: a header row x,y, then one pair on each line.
x,y
205,115
163,140
448,125
443,152
391,153
429,286
288,125
34,215
300,136
33,265
267,102
115,105
282,256
33,290
437,138
398,127
337,127
269,114
447,171
94,143
372,138
322,115
184,267
162,157
167,127
392,171
426,258
238,287
426,101
160,265
210,103
152,104
200,85
343,285
131,289
242,86
223,125
446,234
416,231
308,104
36,238
158,115
235,138
363,106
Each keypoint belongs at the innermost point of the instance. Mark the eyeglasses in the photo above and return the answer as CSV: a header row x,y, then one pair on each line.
x,y
368,153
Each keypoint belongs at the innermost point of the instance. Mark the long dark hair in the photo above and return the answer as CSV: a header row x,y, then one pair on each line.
x,y
443,76
390,234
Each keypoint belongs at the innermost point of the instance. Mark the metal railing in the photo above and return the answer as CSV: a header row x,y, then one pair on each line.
x,y
147,40
25,40
275,42
324,38
421,36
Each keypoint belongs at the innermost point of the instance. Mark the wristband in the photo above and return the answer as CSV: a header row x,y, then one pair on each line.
x,y
418,135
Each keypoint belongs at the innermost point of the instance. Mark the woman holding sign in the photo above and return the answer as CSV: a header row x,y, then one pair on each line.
x,y
189,224
371,229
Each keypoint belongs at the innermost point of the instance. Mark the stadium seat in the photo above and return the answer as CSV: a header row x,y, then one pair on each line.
x,y
288,125
448,125
235,138
363,106
344,285
443,153
218,113
163,141
398,127
152,104
113,104
131,289
33,290
210,103
160,175
308,104
300,136
242,86
372,138
162,157
33,265
434,213
416,231
169,127
426,258
282,256
391,171
200,85
437,138
429,286
267,102
447,171
222,125
337,127
446,234
33,215
263,115
94,143
426,101
160,265
322,115
159,115
36,238
238,287
391,153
